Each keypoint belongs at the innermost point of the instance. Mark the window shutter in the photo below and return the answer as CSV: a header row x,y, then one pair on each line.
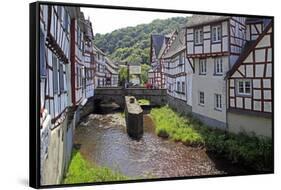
x,y
61,78
43,71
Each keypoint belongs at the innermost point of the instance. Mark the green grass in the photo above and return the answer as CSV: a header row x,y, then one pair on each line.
x,y
249,150
143,102
81,171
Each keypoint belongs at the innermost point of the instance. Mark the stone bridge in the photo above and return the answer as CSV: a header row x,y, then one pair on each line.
x,y
157,97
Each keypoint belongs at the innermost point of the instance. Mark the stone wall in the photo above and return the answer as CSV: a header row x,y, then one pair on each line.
x,y
179,105
210,121
157,97
88,108
182,107
242,122
55,163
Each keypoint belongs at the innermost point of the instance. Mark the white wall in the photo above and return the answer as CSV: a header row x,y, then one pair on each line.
x,y
210,85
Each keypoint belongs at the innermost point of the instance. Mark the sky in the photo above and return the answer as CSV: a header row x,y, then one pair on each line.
x,y
108,20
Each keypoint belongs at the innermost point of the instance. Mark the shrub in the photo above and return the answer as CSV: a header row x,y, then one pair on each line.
x,y
249,150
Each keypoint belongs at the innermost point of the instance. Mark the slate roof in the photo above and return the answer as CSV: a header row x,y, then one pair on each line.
x,y
253,20
177,45
164,45
197,20
157,42
88,29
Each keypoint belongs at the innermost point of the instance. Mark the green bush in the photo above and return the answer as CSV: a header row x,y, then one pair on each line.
x,y
250,150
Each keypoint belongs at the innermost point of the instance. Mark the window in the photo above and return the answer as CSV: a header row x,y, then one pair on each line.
x,y
198,36
78,36
77,77
202,67
55,74
201,98
218,102
61,77
66,21
216,33
178,86
183,87
181,59
218,66
80,76
244,87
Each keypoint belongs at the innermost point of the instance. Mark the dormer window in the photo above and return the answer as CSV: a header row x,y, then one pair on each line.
x,y
198,35
216,33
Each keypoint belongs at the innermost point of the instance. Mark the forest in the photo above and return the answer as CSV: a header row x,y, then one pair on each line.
x,y
132,44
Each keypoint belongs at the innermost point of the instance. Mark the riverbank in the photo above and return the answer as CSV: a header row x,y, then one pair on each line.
x,y
81,171
102,140
251,151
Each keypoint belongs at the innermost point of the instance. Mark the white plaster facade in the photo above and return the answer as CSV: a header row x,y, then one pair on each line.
x,y
211,85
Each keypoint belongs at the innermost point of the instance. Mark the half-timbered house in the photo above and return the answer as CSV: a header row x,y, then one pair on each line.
x,y
213,44
77,57
158,46
111,73
250,82
55,61
178,72
89,60
54,66
99,59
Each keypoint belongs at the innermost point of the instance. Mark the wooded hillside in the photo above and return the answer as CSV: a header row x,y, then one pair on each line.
x,y
132,44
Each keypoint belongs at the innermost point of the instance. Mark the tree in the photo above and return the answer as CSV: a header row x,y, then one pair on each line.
x,y
132,44
144,73
123,75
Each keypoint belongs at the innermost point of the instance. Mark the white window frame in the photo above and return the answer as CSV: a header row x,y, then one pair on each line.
x,y
218,101
218,65
202,67
216,33
202,103
198,36
244,81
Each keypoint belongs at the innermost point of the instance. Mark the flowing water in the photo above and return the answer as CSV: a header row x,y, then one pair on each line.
x,y
103,140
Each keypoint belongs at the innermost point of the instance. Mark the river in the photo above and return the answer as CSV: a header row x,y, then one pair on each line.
x,y
103,140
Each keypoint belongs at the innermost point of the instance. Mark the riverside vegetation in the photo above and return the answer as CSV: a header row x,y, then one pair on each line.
x,y
252,151
81,171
